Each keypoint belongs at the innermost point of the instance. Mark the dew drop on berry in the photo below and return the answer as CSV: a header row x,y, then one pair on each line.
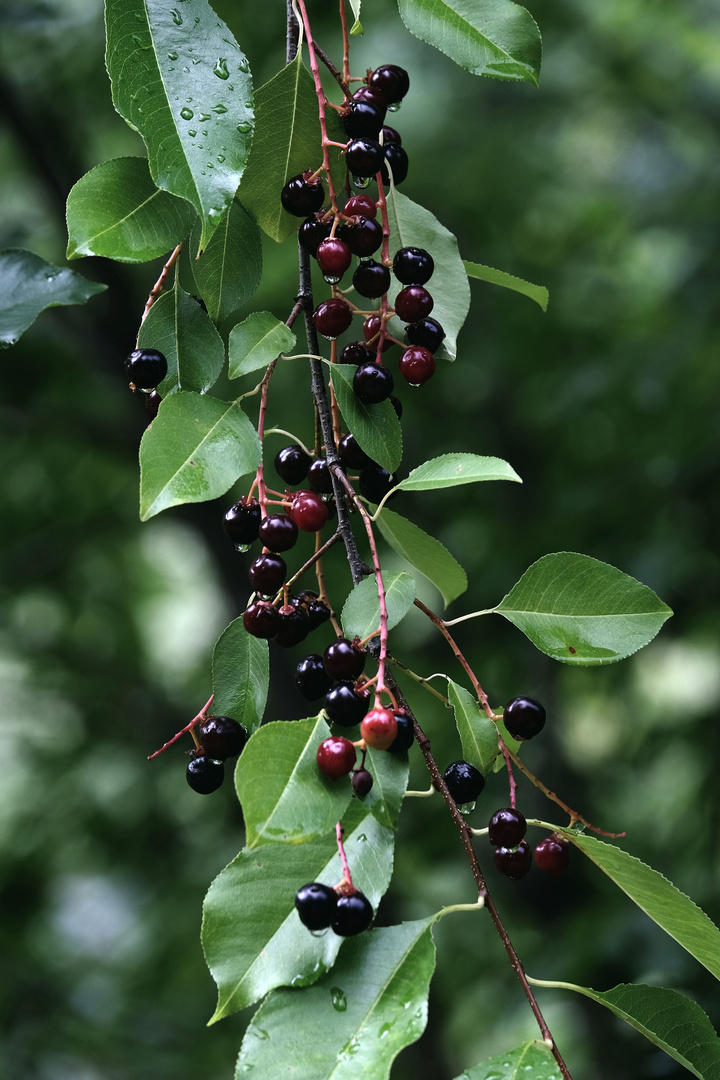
x,y
361,182
394,107
242,548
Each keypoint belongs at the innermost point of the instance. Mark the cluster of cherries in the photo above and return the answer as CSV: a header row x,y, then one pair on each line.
x,y
220,738
320,906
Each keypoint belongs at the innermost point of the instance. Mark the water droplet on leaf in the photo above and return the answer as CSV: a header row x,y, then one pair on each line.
x,y
187,114
219,108
176,17
221,69
172,56
338,999
244,127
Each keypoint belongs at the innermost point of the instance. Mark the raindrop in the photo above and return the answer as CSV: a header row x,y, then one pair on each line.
x,y
187,114
177,17
243,65
244,127
248,104
338,999
221,69
362,838
242,548
192,133
219,108
172,56
332,279
221,158
205,134
259,1033
395,107
209,164
468,807
186,69
319,933
361,182
204,117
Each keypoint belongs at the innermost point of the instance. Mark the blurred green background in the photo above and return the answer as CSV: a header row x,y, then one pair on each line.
x,y
604,185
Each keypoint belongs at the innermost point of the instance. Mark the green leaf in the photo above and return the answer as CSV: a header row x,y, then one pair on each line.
x,y
376,427
228,271
390,777
451,470
582,611
256,342
478,734
28,285
240,675
357,27
284,796
672,910
425,553
194,450
531,1061
538,293
197,129
486,37
287,142
361,613
116,211
177,326
512,744
412,225
355,1020
669,1019
251,934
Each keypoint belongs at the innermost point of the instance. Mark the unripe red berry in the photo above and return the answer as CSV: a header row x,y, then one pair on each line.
x,y
308,511
379,728
336,756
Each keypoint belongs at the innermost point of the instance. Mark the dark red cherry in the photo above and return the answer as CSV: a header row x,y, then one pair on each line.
x,y
352,454
311,678
364,157
371,279
302,196
360,206
267,573
356,352
332,318
146,368
221,737
373,94
362,119
311,232
389,134
261,619
308,511
319,477
506,828
278,532
427,332
513,862
293,625
372,383
362,782
405,734
524,717
334,257
392,80
553,854
152,404
417,365
345,706
413,265
242,522
464,782
353,914
371,331
394,156
413,303
335,756
375,483
363,235
292,464
344,660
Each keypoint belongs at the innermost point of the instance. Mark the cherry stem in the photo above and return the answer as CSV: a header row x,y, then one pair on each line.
x,y
188,727
315,558
347,876
260,475
346,47
337,75
419,679
159,285
314,67
482,696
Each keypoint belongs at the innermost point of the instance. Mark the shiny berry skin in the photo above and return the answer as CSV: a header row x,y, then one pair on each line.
x,y
333,257
464,782
394,155
371,279
146,368
242,522
373,94
308,511
352,455
353,914
553,854
292,464
332,318
356,352
261,619
417,365
375,482
319,477
360,206
278,532
426,332
152,404
344,661
373,383
371,329
316,905
362,119
379,728
204,775
524,717
311,678
390,135
392,81
362,782
335,756
513,862
344,706
413,303
363,235
318,611
267,573
300,197
405,736
311,232
413,266
506,828
364,157
221,737
293,625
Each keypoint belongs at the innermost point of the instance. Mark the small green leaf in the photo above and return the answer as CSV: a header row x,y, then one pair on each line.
x,y
28,285
669,1019
228,271
451,470
376,427
582,611
531,1061
538,293
116,211
486,37
355,1020
256,342
512,744
251,934
194,450
197,131
412,225
240,675
390,777
478,734
357,27
177,326
425,553
284,796
672,910
361,613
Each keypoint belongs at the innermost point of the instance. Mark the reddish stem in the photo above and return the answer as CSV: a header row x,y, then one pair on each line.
x,y
188,727
482,696
347,876
322,101
159,285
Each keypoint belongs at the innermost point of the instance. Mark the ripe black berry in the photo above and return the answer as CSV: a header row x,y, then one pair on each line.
x,y
375,482
553,854
413,265
344,706
242,521
356,352
301,197
146,368
311,678
394,155
311,232
363,119
316,905
343,660
292,464
464,781
373,94
507,827
524,717
413,303
318,611
417,365
427,332
221,737
334,257
261,619
372,383
293,625
204,775
267,573
319,477
278,532
332,318
152,404
364,157
513,862
360,206
362,782
371,279
405,734
393,81
363,235
353,914
390,135
352,454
